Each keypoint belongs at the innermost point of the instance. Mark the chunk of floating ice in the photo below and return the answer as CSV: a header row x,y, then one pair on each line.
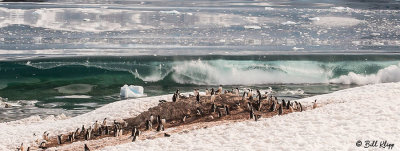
x,y
170,12
269,8
314,19
86,19
289,23
295,48
131,91
252,27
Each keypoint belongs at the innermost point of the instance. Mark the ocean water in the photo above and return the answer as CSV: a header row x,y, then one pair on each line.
x,y
72,56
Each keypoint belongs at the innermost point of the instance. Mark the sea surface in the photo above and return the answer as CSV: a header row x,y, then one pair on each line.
x,y
71,57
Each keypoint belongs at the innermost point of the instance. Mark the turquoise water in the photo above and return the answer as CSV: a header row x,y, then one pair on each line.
x,y
79,84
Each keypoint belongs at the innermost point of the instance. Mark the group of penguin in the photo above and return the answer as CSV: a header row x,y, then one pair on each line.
x,y
117,128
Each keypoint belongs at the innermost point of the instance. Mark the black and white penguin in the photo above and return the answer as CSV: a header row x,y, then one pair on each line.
x,y
280,110
151,118
160,127
104,122
184,119
158,119
227,110
259,105
115,130
256,117
46,136
213,107
148,125
174,97
83,130
71,137
272,108
283,102
219,113
315,104
137,133
59,139
134,130
28,149
199,112
251,113
288,105
76,133
301,107
86,148
212,91
198,98
42,144
107,130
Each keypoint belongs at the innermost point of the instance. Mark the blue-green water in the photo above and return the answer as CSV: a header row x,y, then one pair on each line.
x,y
79,84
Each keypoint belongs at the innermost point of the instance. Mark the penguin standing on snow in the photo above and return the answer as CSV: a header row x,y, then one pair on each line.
x,y
272,108
86,148
315,104
288,105
219,113
212,97
59,139
213,107
283,102
174,97
301,107
280,110
134,129
148,125
83,130
251,113
160,127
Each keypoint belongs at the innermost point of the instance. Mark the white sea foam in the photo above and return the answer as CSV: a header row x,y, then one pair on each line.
x,y
363,113
388,74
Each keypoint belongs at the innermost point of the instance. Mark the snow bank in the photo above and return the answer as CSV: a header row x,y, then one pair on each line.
x,y
14,133
364,113
388,74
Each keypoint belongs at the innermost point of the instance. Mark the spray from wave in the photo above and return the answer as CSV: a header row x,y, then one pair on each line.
x,y
248,72
385,75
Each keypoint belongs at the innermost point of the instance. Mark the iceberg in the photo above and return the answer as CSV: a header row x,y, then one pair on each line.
x,y
131,91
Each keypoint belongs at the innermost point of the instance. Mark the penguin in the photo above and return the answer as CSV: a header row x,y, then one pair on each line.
x,y
107,131
148,125
249,106
213,107
167,135
59,139
259,106
151,118
163,121
105,122
134,130
288,104
137,133
120,131
76,133
272,108
21,147
207,92
251,113
86,148
158,119
160,127
86,135
199,112
220,89
283,102
212,91
227,110
42,144
71,137
280,110
198,98
46,136
95,126
315,104
184,119
212,97
89,132
256,117
291,108
301,107
174,97
219,113
28,149
100,131
83,130
115,130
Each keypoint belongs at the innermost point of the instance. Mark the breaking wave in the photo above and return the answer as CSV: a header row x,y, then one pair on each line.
x,y
246,72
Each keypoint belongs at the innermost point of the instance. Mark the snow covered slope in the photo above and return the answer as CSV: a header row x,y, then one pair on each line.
x,y
12,134
364,113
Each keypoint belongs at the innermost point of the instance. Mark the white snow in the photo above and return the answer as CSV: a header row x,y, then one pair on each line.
x,y
364,113
131,91
14,133
289,23
252,27
335,21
